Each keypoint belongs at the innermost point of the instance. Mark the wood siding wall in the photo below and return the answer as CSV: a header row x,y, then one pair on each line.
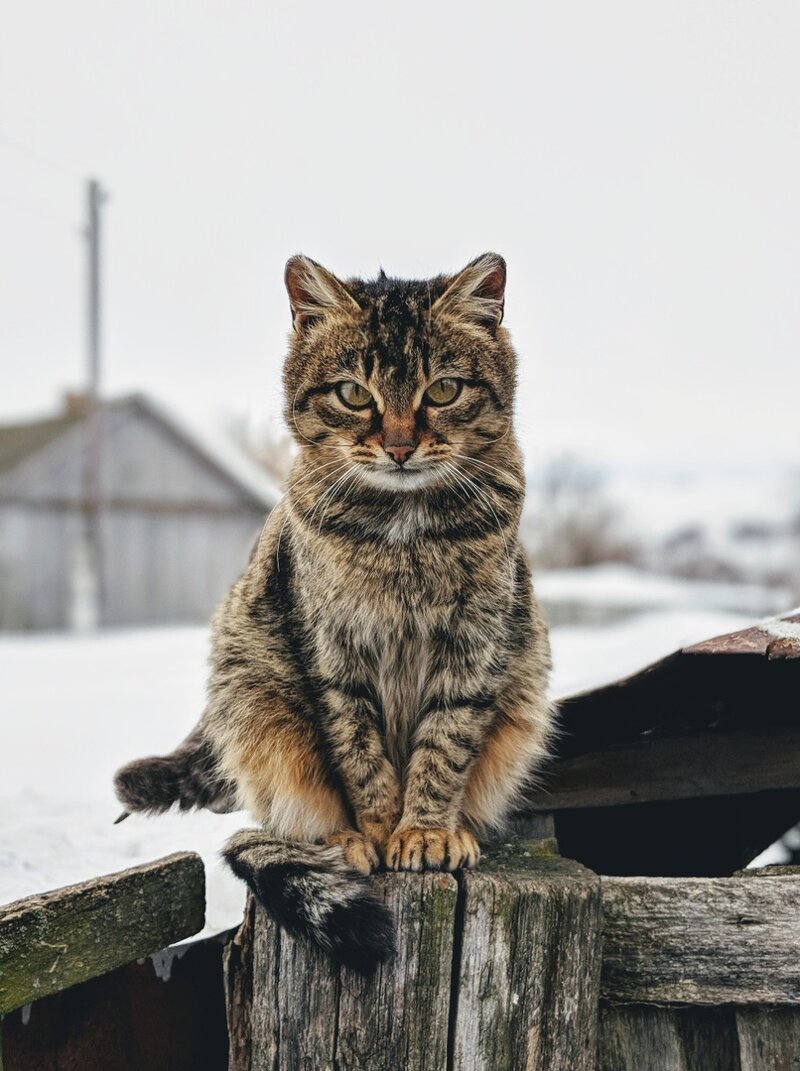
x,y
176,531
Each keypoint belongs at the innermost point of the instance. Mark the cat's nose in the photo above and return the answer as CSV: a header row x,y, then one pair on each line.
x,y
400,452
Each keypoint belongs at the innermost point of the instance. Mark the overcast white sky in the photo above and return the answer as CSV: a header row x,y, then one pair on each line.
x,y
638,165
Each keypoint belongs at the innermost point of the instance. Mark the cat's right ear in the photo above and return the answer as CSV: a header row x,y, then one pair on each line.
x,y
314,292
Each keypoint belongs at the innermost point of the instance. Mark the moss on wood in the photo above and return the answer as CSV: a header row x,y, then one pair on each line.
x,y
60,938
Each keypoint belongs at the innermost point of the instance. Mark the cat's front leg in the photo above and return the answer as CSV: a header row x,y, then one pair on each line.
x,y
371,782
430,834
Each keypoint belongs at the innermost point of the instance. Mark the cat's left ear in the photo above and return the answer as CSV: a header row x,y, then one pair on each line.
x,y
314,292
477,294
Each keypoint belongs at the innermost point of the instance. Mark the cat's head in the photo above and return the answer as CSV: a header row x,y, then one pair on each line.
x,y
402,379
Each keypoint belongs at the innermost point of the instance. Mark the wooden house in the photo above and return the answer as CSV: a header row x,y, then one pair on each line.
x,y
174,518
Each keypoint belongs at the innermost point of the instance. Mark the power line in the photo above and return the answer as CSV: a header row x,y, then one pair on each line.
x,y
33,154
51,164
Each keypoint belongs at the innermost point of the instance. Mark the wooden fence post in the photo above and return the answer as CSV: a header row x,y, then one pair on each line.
x,y
529,977
499,969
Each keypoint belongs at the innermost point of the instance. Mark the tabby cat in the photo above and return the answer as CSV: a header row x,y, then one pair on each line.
x,y
379,672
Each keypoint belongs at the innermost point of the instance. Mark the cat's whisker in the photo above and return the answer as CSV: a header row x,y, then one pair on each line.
x,y
344,488
293,485
470,492
475,482
494,469
335,476
329,496
335,466
315,471
449,470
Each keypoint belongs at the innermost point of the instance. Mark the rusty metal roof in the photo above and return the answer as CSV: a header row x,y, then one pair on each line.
x,y
778,637
718,718
744,678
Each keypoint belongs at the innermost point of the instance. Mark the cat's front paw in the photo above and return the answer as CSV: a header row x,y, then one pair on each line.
x,y
431,849
358,850
378,830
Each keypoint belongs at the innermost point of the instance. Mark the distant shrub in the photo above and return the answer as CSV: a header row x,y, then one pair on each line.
x,y
572,521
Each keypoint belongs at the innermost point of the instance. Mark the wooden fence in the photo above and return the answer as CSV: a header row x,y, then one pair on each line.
x,y
87,980
533,963
530,962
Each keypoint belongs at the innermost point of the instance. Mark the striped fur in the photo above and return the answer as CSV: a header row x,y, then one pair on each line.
x,y
188,776
379,672
311,891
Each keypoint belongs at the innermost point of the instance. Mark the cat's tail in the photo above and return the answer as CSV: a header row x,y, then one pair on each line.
x,y
309,890
187,776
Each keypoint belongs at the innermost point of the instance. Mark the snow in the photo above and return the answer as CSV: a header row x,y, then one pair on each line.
x,y
625,587
74,708
784,630
586,657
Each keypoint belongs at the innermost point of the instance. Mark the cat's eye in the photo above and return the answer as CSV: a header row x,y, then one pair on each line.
x,y
353,395
443,391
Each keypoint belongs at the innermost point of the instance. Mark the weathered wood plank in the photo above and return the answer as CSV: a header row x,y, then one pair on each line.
x,y
282,1000
538,826
528,978
165,1012
290,1009
303,1030
238,977
400,1020
67,936
644,1037
772,870
701,940
688,767
769,1039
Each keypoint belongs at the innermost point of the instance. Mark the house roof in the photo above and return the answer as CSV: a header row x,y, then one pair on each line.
x,y
721,683
21,441
216,449
717,718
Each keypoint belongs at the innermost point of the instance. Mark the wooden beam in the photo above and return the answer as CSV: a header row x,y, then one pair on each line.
x,y
70,935
701,940
644,1037
164,1012
529,970
769,1038
687,767
411,1016
498,968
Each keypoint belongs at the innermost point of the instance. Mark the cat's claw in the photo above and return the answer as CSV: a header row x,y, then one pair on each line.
x,y
432,849
358,850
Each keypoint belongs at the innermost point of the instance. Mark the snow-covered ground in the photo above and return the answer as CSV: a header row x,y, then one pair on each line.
x,y
74,708
600,593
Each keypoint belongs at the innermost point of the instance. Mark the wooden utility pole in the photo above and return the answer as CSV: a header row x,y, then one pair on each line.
x,y
94,201
88,603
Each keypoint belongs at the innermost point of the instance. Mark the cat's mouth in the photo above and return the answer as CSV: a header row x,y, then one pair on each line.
x,y
408,477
